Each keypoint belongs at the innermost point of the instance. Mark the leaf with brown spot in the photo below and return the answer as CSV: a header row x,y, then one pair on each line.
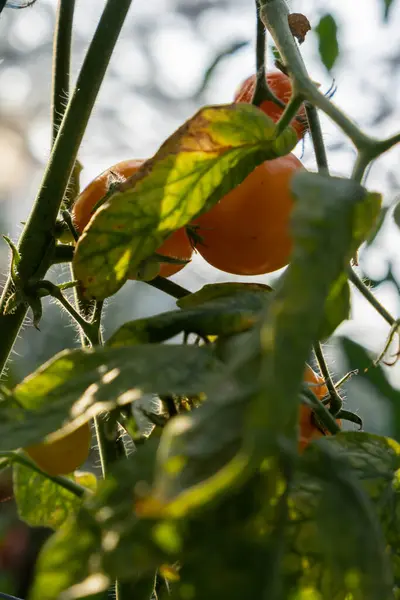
x,y
201,162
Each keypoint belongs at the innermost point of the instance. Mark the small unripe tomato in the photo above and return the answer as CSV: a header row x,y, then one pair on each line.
x,y
309,430
65,455
177,245
280,85
247,231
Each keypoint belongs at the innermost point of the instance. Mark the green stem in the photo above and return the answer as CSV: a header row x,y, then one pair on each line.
x,y
87,328
323,414
37,235
68,484
275,17
360,166
169,287
262,91
369,296
317,139
289,114
335,403
61,61
62,254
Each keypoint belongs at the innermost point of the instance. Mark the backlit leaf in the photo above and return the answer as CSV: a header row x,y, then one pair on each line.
x,y
42,502
203,160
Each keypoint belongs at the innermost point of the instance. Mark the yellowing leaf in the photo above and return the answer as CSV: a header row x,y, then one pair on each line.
x,y
203,160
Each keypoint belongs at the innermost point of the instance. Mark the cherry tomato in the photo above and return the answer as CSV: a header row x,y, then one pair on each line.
x,y
309,430
247,232
65,455
280,85
177,245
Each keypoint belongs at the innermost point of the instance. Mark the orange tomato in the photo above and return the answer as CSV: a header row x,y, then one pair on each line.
x,y
177,245
247,232
309,430
65,455
280,85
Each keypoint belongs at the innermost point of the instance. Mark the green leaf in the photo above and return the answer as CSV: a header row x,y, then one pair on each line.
x,y
226,314
358,358
387,6
42,502
396,214
213,291
323,220
79,559
337,306
327,37
64,559
77,384
365,218
359,472
378,226
201,162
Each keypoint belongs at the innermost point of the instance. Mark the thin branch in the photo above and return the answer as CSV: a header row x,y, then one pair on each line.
x,y
169,287
369,296
317,139
22,459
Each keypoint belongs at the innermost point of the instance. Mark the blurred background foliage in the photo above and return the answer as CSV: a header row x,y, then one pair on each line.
x,y
173,57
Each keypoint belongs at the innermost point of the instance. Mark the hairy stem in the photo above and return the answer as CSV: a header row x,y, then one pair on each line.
x,y
61,62
38,234
335,403
369,296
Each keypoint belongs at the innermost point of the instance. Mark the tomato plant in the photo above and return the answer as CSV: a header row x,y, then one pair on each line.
x,y
176,246
280,85
229,467
247,232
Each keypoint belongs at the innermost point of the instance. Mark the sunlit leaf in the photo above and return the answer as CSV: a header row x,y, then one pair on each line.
x,y
203,160
42,502
327,37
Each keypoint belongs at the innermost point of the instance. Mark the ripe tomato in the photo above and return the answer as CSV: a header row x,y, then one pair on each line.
x,y
65,455
280,85
308,428
247,232
177,245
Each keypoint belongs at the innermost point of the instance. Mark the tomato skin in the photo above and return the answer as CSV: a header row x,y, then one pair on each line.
x,y
280,85
65,455
247,232
309,431
177,245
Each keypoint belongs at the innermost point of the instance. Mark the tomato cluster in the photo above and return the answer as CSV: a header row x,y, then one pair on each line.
x,y
245,233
